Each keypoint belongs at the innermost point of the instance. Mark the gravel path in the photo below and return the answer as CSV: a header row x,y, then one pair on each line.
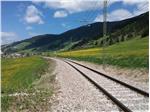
x,y
76,94
132,100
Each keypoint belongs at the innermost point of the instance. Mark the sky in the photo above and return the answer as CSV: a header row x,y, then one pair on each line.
x,y
24,19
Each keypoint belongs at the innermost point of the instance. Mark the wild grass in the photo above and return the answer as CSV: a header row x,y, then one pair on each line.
x,y
29,75
5,102
132,54
19,73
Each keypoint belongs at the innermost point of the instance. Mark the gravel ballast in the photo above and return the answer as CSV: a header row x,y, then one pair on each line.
x,y
135,77
131,99
76,94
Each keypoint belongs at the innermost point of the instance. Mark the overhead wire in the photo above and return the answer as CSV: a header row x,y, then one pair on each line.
x,y
90,14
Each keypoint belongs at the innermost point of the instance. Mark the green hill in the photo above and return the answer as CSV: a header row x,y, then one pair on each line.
x,y
84,37
132,53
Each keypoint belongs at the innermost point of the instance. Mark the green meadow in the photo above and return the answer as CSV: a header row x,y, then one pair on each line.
x,y
131,54
19,73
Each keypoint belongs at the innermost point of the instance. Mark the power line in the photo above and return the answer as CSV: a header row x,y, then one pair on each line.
x,y
92,11
86,21
88,16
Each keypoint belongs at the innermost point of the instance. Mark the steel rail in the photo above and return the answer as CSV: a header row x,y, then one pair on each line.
x,y
116,80
116,101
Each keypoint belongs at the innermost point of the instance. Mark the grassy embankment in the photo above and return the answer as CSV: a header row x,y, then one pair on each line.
x,y
18,75
132,54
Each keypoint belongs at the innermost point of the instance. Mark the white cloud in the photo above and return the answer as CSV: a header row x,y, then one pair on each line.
x,y
133,2
33,15
142,5
7,34
8,37
99,18
141,8
60,14
127,2
29,28
115,15
119,14
73,6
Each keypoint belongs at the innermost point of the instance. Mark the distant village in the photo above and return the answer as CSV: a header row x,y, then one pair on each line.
x,y
18,55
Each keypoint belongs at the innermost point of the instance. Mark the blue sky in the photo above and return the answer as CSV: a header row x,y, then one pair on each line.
x,y
21,20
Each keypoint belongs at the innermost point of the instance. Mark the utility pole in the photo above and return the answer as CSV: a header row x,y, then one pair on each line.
x,y
104,30
105,19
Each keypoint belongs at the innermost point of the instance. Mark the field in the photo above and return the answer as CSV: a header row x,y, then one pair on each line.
x,y
18,75
132,53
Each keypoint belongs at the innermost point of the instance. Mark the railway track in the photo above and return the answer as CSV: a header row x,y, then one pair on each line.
x,y
127,97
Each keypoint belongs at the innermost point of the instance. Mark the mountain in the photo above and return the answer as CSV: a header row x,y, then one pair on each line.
x,y
90,35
